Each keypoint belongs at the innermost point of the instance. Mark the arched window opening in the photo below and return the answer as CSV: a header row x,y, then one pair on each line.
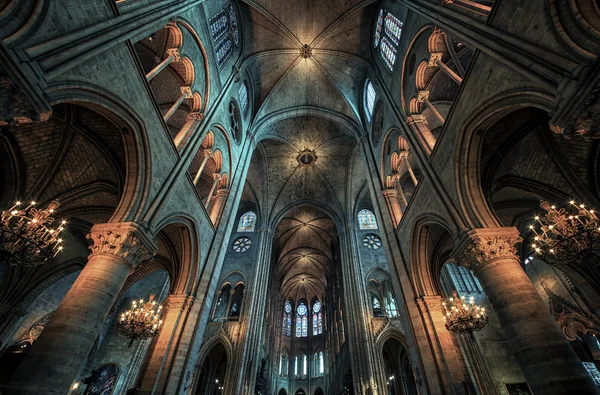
x,y
247,222
387,37
236,302
287,319
317,318
224,31
321,364
461,279
304,365
302,320
243,96
366,220
296,372
376,304
223,297
369,101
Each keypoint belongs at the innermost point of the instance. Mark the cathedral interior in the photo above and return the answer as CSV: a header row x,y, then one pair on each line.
x,y
239,197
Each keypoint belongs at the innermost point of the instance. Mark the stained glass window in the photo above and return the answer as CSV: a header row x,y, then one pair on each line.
x,y
296,366
233,25
243,96
393,28
225,34
218,24
387,37
317,319
388,52
376,304
321,364
378,29
242,244
247,222
372,241
369,99
287,319
304,365
301,320
366,220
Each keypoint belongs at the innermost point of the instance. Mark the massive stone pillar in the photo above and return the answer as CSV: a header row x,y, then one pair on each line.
x,y
547,360
366,372
56,358
162,358
254,312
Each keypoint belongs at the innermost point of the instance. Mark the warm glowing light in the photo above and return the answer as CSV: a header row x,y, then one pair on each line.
x,y
141,321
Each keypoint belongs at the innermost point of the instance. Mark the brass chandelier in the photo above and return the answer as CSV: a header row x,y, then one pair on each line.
x,y
142,321
566,235
461,316
27,237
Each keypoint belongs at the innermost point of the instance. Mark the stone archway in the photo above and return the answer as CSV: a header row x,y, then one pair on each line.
x,y
213,371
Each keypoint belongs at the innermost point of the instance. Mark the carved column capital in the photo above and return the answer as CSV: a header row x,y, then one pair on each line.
x,y
174,52
482,246
390,192
187,91
422,96
433,59
417,118
125,240
181,302
196,115
584,121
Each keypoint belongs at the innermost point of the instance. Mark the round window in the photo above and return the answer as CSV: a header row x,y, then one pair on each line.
x,y
242,244
372,241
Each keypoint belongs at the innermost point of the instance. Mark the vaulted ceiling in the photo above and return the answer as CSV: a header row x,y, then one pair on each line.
x,y
338,36
304,247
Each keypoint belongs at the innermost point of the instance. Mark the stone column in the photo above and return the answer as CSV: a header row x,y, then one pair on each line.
x,y
418,123
404,157
207,155
219,199
446,353
186,93
217,178
161,359
391,198
423,97
436,60
173,57
399,191
548,362
56,358
193,120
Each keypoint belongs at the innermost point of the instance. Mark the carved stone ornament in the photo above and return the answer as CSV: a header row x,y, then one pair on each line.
x,y
484,246
15,108
174,52
585,122
123,240
182,302
573,321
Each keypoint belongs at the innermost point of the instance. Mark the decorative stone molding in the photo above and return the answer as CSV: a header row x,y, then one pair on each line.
x,y
572,320
390,192
306,51
482,246
195,116
174,52
417,118
125,240
585,121
426,304
15,107
422,96
434,58
182,302
187,91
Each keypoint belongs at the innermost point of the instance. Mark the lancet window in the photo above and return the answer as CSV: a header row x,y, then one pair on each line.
x,y
366,220
224,31
247,222
370,95
317,318
287,319
387,37
302,320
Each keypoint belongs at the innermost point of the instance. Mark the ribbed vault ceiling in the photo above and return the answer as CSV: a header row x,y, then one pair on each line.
x,y
338,34
305,240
